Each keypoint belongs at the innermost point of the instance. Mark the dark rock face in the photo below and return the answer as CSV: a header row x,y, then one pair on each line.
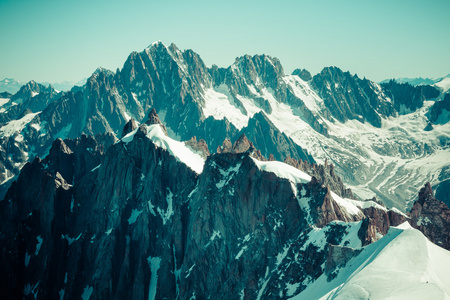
x,y
432,217
5,95
269,140
129,127
37,218
349,97
303,74
440,111
408,98
442,190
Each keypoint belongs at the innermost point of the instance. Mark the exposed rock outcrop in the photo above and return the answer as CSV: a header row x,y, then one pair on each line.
x,y
129,127
198,146
432,217
338,256
153,118
303,74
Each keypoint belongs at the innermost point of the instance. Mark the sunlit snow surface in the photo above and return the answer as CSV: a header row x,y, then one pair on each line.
x,y
391,162
3,101
444,84
283,170
16,125
177,149
403,264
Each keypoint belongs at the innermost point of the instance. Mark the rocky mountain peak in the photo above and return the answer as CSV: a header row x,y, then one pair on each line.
x,y
303,74
226,146
242,144
102,71
153,118
59,146
199,146
30,89
425,193
129,127
258,68
158,46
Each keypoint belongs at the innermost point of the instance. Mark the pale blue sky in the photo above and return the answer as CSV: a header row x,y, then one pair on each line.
x,y
53,41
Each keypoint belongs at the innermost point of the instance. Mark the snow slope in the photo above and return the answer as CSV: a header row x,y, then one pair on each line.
x,y
401,265
16,125
178,149
444,84
283,170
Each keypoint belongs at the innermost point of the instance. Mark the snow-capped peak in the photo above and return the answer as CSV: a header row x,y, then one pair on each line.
x,y
156,44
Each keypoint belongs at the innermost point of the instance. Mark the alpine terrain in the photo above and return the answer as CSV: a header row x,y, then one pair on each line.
x,y
169,179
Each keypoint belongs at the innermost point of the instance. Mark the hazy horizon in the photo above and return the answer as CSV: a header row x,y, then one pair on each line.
x,y
55,41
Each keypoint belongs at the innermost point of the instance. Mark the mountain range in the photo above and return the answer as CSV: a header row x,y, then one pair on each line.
x,y
102,198
12,86
374,134
442,83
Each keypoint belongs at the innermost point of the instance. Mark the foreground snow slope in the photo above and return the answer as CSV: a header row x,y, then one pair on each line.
x,y
401,265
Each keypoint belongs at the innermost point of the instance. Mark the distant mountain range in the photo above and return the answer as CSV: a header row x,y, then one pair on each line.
x,y
440,82
13,86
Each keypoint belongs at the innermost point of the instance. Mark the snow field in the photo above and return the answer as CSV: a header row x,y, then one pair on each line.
x,y
16,125
178,149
